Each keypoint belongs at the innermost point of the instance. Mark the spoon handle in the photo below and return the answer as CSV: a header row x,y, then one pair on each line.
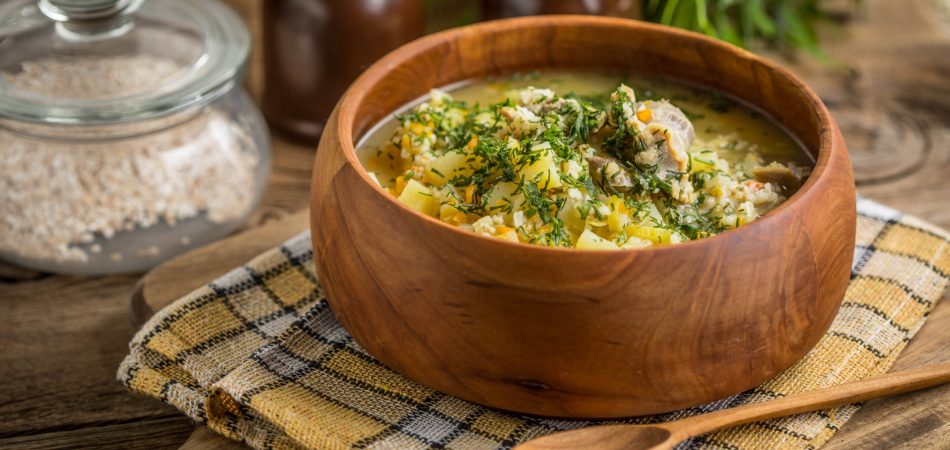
x,y
843,394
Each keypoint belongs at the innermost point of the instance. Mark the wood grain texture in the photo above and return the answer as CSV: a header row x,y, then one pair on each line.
x,y
151,433
665,436
573,333
888,90
58,388
203,439
62,340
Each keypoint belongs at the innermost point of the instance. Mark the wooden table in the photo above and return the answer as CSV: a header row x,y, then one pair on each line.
x,y
62,338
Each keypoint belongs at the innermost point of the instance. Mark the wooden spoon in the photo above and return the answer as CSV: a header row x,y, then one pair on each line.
x,y
667,435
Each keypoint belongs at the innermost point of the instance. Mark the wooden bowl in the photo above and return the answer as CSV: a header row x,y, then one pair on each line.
x,y
570,333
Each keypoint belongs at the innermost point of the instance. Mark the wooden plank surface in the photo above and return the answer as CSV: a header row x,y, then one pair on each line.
x,y
62,338
889,91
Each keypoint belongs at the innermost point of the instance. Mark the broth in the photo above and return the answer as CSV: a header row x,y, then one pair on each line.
x,y
743,140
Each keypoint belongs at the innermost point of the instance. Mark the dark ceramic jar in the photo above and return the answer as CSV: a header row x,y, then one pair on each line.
x,y
315,48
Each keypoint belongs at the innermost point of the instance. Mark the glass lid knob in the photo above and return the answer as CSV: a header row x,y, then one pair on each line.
x,y
86,10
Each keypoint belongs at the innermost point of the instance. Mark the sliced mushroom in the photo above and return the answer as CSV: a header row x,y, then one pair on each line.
x,y
609,174
779,175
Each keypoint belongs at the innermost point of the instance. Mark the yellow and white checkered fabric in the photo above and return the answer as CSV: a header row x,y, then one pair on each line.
x,y
257,356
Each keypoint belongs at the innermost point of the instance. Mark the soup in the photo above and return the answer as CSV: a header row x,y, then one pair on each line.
x,y
588,161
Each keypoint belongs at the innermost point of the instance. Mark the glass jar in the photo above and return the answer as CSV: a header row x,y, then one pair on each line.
x,y
125,135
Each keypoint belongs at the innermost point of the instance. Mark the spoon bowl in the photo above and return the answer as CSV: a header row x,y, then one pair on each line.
x,y
628,437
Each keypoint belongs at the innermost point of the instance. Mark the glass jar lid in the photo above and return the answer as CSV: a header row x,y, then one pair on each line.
x,y
112,61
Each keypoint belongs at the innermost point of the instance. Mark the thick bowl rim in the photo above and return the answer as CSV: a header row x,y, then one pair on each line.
x,y
357,92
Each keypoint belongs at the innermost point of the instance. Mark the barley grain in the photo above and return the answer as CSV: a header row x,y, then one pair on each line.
x,y
58,194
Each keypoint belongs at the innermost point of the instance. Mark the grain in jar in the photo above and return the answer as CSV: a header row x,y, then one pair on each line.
x,y
125,137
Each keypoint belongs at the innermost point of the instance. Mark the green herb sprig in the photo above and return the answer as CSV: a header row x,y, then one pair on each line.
x,y
777,23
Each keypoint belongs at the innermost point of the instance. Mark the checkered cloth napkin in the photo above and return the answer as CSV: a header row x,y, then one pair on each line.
x,y
258,357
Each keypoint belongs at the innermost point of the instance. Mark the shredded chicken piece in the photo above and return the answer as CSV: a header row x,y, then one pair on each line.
x,y
667,135
663,130
779,175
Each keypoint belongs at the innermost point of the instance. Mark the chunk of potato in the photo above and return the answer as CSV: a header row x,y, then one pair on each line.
x,y
655,234
617,221
420,198
636,242
648,214
448,166
543,172
509,235
571,215
501,194
618,218
588,240
703,161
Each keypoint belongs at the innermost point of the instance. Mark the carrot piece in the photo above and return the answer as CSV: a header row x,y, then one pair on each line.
x,y
469,193
645,115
